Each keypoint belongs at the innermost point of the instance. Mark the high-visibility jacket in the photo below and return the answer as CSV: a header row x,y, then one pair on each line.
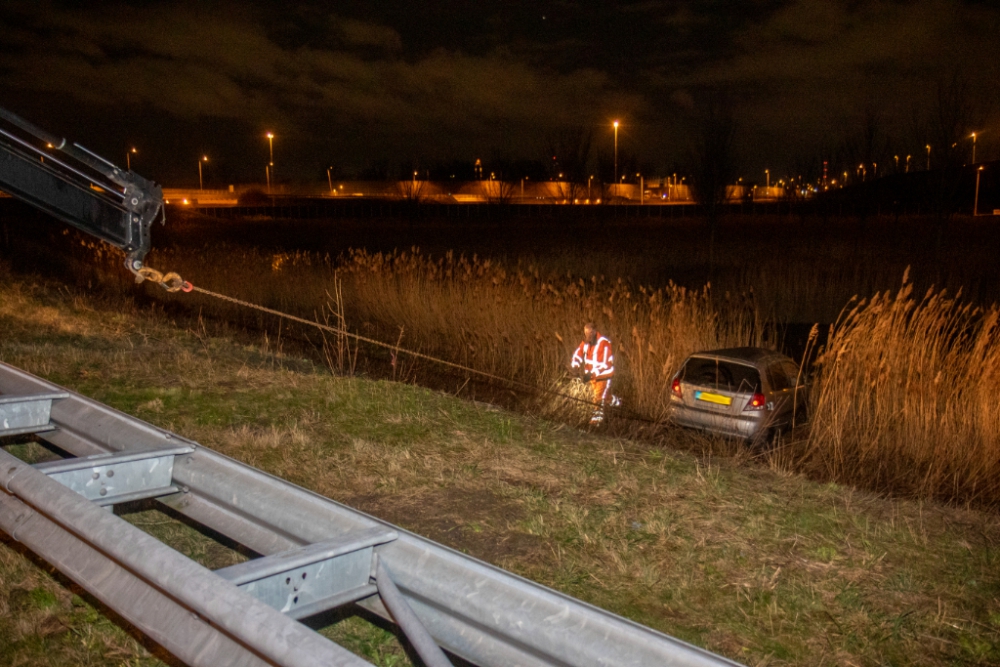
x,y
596,359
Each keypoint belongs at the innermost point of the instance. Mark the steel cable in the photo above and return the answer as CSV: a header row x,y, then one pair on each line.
x,y
173,283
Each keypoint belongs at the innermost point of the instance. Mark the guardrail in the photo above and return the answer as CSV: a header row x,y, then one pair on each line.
x,y
316,555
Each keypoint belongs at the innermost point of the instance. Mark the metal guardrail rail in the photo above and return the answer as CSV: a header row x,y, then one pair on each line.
x,y
316,555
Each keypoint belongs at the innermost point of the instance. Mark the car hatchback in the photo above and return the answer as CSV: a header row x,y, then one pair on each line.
x,y
745,392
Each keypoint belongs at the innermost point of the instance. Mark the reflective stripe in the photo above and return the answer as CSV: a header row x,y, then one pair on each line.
x,y
596,359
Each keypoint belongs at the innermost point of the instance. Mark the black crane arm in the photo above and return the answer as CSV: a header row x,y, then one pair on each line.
x,y
78,187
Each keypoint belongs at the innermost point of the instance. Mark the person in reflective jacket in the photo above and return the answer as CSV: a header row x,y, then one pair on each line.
x,y
594,362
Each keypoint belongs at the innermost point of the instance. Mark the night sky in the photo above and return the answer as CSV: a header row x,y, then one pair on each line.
x,y
351,84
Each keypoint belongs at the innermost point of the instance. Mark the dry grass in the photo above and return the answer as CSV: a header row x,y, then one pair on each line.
x,y
904,389
907,398
521,323
768,569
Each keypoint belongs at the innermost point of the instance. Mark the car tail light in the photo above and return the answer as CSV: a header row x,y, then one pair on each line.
x,y
756,402
676,388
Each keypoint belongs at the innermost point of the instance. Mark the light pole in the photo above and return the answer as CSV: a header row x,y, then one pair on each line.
x,y
270,162
973,148
616,156
589,181
975,203
128,157
928,147
329,179
908,164
767,176
201,182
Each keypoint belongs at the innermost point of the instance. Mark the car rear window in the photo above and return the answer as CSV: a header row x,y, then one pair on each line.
x,y
721,375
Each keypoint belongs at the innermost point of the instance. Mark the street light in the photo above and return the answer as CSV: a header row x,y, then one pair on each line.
x,y
270,162
128,157
973,148
975,203
928,147
767,176
329,179
201,183
616,155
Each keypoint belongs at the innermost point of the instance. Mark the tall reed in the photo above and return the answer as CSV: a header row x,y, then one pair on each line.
x,y
521,323
907,398
905,390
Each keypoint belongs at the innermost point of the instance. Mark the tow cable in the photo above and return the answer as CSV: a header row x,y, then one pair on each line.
x,y
172,282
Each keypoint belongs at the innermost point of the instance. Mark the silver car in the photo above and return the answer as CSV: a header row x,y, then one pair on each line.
x,y
745,392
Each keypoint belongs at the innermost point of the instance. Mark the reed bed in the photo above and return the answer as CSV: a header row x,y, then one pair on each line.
x,y
518,323
906,398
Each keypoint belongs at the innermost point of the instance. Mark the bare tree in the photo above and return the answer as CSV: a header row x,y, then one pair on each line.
x,y
713,157
410,189
951,120
868,147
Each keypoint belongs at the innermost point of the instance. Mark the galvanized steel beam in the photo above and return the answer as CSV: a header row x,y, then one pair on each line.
x,y
122,555
472,609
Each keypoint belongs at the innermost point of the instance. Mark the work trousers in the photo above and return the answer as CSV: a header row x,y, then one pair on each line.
x,y
602,397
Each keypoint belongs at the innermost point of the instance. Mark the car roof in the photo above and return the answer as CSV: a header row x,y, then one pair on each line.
x,y
751,355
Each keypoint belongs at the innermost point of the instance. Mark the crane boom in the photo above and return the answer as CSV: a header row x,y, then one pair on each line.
x,y
78,187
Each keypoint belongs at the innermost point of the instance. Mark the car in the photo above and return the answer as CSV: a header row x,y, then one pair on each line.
x,y
744,392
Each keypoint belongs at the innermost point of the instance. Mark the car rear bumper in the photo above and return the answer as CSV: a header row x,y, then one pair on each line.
x,y
714,422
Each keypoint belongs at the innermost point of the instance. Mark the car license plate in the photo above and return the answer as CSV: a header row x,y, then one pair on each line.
x,y
708,397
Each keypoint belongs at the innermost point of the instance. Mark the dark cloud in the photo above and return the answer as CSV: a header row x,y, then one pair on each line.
x,y
403,80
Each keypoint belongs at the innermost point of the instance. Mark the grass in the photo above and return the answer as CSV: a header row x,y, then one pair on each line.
x,y
902,396
746,559
906,398
907,410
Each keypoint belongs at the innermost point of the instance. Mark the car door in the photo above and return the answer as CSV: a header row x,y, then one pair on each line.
x,y
781,390
800,390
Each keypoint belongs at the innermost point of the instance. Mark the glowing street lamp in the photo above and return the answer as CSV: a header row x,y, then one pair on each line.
x,y
201,183
616,155
270,162
128,157
767,176
973,148
928,147
329,179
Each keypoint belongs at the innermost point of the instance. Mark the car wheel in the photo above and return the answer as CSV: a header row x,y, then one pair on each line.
x,y
764,440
